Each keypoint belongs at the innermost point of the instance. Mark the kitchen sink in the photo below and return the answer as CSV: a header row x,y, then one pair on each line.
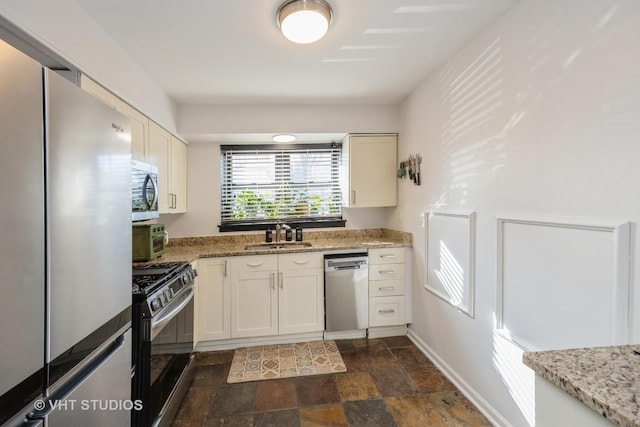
x,y
277,245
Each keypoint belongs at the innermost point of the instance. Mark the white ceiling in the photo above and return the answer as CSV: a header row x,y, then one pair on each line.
x,y
231,51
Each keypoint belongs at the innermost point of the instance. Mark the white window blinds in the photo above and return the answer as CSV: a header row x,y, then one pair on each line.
x,y
275,182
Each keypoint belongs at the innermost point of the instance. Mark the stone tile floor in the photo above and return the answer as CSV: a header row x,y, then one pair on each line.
x,y
388,382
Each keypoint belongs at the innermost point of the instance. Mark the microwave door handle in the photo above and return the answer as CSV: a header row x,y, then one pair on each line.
x,y
155,191
144,191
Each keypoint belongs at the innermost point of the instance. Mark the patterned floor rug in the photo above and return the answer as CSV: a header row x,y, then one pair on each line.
x,y
285,361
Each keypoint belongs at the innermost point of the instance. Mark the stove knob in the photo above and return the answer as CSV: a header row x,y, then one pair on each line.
x,y
156,304
167,294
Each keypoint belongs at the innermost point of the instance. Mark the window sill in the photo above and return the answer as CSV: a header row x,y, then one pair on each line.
x,y
293,223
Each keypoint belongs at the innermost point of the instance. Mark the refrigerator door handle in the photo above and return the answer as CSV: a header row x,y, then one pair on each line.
x,y
86,368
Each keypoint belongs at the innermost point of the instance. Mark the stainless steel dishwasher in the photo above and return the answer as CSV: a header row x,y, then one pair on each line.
x,y
346,285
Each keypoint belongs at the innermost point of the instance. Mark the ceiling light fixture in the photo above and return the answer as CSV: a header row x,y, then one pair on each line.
x,y
283,137
304,21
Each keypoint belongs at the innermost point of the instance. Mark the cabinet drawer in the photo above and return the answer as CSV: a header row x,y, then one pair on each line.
x,y
386,256
380,288
386,311
386,271
300,261
255,263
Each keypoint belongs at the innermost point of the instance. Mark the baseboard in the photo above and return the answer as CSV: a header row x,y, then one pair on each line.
x,y
494,417
250,342
343,335
387,331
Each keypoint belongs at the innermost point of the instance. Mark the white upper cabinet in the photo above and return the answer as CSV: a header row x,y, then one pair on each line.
x,y
101,93
372,164
178,179
152,144
159,146
139,133
169,154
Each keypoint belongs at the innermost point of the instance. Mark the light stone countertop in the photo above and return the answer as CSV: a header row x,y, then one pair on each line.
x,y
189,249
606,379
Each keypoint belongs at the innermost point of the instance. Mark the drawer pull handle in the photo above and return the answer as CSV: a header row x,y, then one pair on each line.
x,y
386,288
258,264
386,311
387,256
301,262
387,272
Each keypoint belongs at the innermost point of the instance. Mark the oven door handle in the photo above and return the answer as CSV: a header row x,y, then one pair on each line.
x,y
159,322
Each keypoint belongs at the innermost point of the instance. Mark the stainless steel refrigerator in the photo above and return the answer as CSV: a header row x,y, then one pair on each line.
x,y
65,252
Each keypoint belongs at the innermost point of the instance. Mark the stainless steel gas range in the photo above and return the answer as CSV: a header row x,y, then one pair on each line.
x,y
162,324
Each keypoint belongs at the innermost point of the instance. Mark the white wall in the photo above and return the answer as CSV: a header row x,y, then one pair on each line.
x,y
68,31
203,180
232,119
203,199
538,117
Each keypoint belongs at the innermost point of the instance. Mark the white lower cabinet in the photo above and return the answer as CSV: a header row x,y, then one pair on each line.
x,y
254,296
213,299
301,293
386,311
386,287
273,295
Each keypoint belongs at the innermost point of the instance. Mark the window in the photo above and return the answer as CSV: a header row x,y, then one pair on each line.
x,y
264,184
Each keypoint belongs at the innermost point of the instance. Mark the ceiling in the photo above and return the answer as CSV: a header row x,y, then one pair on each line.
x,y
231,51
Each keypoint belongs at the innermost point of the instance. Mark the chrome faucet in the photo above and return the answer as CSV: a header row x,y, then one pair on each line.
x,y
279,228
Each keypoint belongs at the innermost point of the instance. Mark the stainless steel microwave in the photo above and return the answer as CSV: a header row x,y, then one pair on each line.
x,y
144,191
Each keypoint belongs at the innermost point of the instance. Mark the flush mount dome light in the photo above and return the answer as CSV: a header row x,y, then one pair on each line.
x,y
304,21
283,137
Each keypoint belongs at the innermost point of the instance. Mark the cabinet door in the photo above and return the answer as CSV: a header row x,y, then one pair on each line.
x,y
254,296
214,299
372,170
386,256
159,150
178,196
101,93
139,133
381,288
301,293
386,272
386,311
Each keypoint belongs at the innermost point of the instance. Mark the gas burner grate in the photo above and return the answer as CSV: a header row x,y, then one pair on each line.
x,y
148,277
